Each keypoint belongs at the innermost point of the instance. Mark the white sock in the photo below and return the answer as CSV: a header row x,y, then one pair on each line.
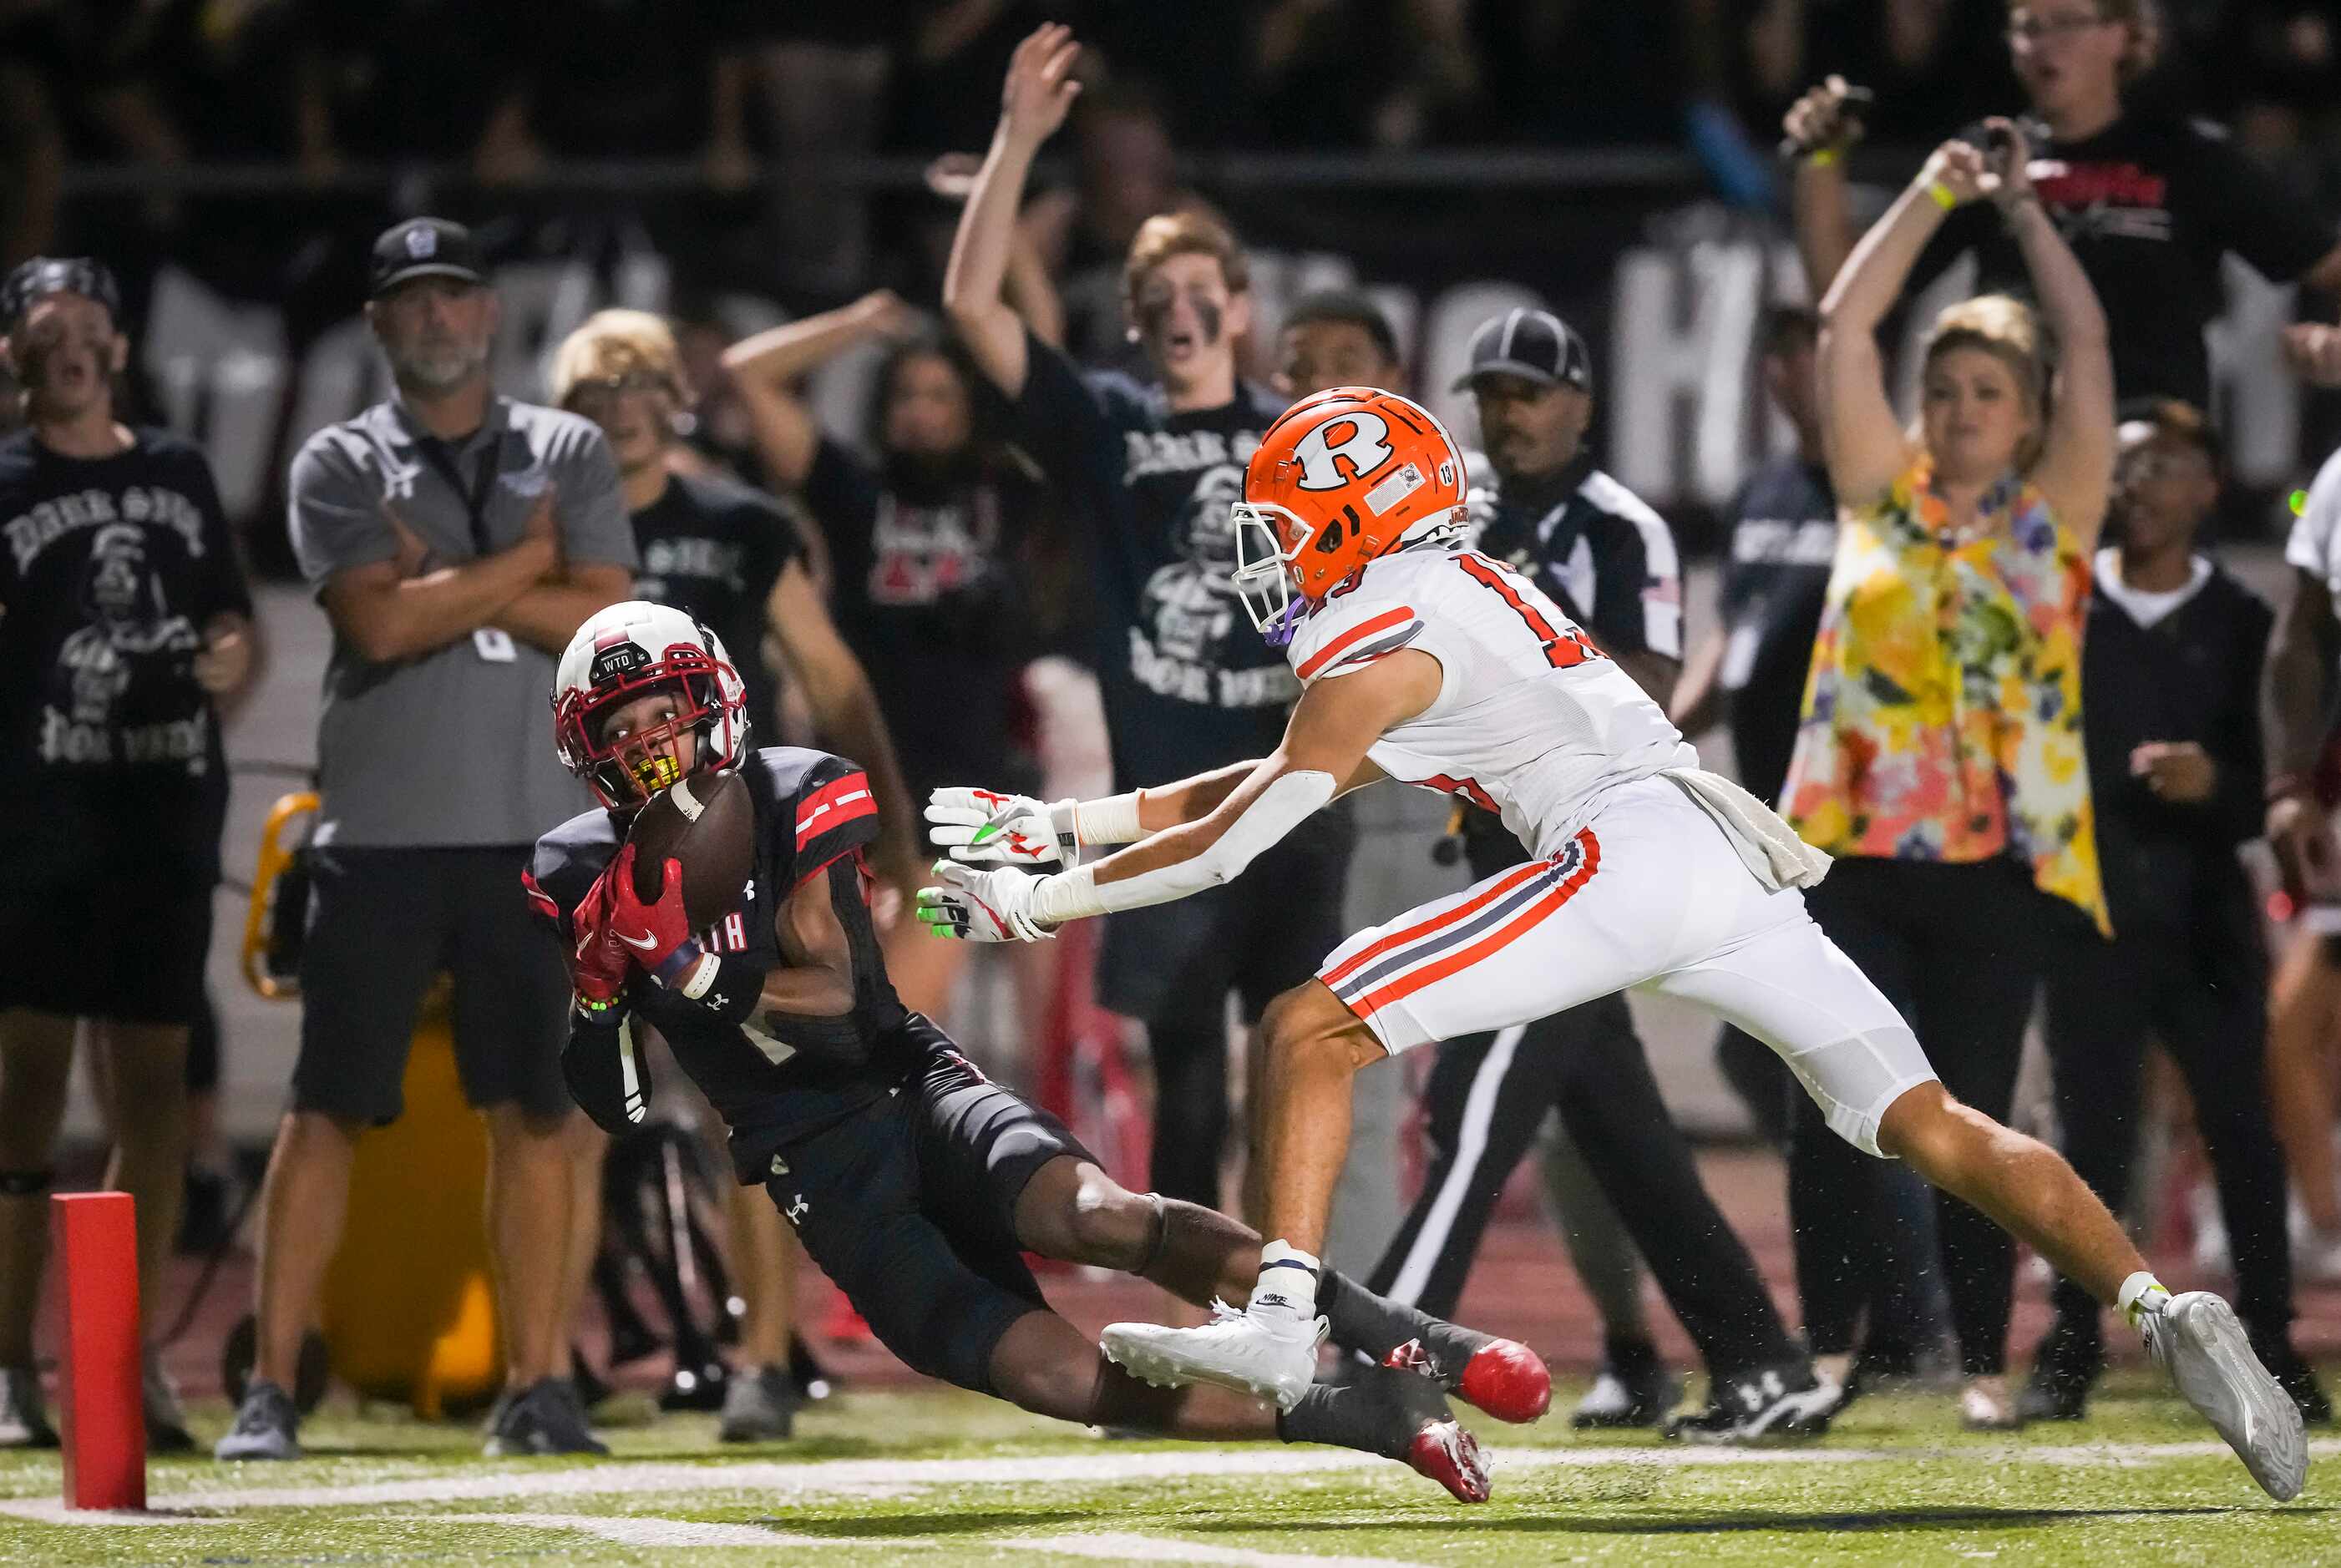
x,y
2141,1294
1288,1282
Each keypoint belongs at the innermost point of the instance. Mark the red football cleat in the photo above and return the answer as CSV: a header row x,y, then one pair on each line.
x,y
1508,1380
845,1324
1451,1456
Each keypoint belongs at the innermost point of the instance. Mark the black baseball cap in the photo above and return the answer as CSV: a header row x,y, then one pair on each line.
x,y
44,275
1535,345
424,248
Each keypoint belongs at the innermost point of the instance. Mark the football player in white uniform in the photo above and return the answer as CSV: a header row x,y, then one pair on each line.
x,y
1437,666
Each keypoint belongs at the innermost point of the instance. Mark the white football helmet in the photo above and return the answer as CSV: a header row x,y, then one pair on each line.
x,y
635,649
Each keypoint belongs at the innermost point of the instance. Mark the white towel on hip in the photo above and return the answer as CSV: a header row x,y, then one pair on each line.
x,y
1763,841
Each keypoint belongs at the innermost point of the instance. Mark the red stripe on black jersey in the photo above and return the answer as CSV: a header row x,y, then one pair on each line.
x,y
833,803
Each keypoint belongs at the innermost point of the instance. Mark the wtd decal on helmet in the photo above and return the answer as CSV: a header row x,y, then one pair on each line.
x,y
639,650
617,656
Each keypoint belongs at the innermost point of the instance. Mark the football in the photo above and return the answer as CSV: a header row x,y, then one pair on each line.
x,y
707,824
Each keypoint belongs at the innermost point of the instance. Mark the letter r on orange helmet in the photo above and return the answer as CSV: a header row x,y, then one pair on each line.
x,y
1344,476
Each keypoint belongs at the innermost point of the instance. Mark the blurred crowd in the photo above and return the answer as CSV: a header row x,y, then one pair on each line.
x,y
916,572
167,81
749,90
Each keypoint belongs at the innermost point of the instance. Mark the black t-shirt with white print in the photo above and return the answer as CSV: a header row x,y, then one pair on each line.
x,y
714,549
928,595
1189,684
2150,205
110,569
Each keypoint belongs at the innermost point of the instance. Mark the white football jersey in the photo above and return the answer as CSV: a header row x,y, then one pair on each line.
x,y
1532,721
2315,543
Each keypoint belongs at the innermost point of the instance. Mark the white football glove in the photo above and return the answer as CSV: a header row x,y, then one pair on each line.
x,y
973,906
985,827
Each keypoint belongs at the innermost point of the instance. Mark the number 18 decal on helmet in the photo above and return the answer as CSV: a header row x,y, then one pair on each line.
x,y
1346,475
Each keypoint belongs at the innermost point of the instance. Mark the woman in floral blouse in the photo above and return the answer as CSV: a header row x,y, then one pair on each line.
x,y
1940,751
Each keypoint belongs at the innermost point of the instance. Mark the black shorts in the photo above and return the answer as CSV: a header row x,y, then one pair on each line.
x,y
1257,936
909,1205
120,948
383,924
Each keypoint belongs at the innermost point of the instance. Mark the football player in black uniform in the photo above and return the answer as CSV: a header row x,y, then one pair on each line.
x,y
913,1181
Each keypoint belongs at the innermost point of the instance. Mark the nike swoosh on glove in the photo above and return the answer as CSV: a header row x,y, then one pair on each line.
x,y
656,937
985,827
974,906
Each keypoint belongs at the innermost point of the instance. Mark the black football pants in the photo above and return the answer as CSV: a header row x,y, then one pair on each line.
x,y
1960,951
1487,1096
2201,992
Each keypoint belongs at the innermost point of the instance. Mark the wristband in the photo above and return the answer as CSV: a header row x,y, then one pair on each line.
x,y
1942,194
1822,157
730,991
1065,896
1112,820
676,967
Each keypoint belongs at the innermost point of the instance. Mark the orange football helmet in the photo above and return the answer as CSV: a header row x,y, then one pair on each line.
x,y
1344,476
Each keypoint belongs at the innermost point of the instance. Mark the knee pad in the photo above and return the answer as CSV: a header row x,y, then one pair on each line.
x,y
26,1184
1852,1080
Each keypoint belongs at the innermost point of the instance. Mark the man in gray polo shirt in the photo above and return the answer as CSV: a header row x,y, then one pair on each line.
x,y
457,539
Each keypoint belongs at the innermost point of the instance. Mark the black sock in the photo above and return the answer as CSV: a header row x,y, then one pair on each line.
x,y
1377,1412
1375,1326
1629,1356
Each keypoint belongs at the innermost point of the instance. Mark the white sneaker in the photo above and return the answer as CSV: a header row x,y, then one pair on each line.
x,y
1985,1406
24,1412
2197,1339
1642,1397
1272,1355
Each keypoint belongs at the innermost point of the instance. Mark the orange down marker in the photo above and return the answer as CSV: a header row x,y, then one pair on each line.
x,y
100,1396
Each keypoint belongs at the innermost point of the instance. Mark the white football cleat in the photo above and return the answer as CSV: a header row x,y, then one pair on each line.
x,y
2197,1339
1273,1356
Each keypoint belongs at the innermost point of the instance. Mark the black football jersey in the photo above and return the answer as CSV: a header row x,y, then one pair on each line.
x,y
814,815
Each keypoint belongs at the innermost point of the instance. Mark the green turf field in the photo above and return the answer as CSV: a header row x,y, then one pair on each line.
x,y
944,1478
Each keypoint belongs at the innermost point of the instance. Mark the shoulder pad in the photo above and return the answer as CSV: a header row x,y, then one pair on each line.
x,y
1348,632
820,806
777,772
567,862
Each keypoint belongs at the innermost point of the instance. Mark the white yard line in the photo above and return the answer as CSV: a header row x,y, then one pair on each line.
x,y
1120,1547
629,1529
884,1477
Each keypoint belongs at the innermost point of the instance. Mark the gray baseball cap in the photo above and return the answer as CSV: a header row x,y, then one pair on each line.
x,y
1535,345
